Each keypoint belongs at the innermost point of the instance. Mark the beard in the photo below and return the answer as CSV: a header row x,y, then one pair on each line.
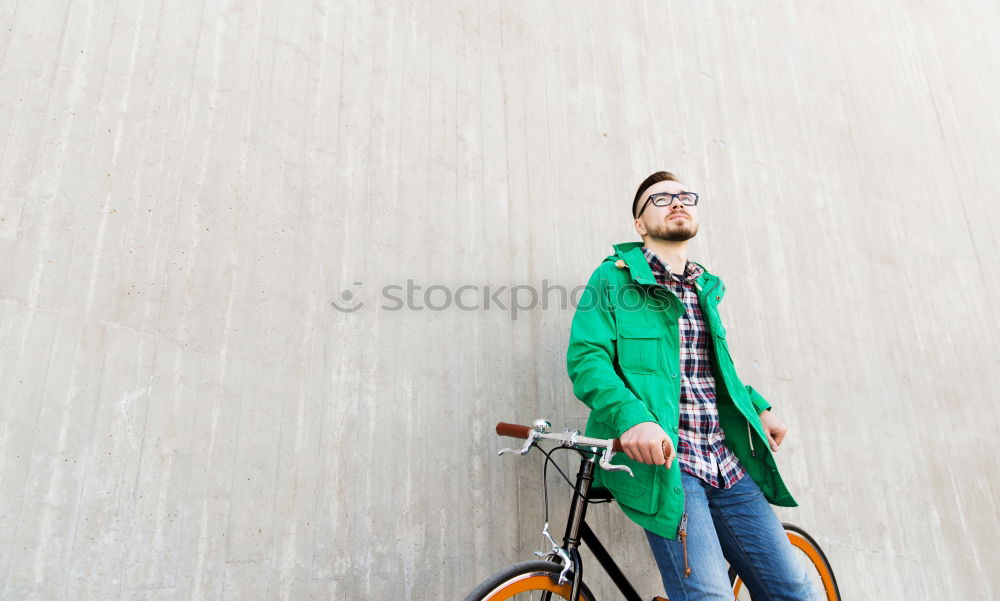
x,y
673,232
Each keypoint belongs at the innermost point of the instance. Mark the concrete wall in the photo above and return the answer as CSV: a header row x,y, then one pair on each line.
x,y
187,188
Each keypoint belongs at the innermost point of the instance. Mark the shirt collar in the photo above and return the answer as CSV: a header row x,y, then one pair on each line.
x,y
661,270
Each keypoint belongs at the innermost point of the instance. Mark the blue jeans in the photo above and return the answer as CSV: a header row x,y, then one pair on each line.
x,y
735,525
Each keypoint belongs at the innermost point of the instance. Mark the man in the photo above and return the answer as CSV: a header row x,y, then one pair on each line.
x,y
648,354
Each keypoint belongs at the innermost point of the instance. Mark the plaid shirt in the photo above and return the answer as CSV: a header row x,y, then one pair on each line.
x,y
699,438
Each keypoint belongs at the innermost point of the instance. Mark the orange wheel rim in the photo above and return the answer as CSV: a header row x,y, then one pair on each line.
x,y
737,587
530,582
806,547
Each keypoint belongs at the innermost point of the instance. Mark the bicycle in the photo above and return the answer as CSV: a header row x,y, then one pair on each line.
x,y
560,574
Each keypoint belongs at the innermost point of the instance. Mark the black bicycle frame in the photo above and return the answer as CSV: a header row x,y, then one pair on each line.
x,y
577,530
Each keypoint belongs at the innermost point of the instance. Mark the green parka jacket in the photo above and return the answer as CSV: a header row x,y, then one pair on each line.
x,y
624,361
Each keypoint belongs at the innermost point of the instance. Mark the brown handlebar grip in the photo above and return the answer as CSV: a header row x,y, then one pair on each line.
x,y
618,447
512,430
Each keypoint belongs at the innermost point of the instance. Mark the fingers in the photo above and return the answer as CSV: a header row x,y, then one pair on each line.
x,y
644,443
635,451
631,451
650,452
646,451
639,453
774,428
627,447
656,452
775,435
778,435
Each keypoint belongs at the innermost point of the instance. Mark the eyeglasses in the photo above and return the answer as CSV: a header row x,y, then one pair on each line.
x,y
664,199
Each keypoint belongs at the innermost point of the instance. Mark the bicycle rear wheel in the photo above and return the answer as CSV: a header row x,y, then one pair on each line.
x,y
530,580
812,558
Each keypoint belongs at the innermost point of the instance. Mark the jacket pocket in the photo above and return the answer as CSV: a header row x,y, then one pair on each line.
x,y
638,492
640,347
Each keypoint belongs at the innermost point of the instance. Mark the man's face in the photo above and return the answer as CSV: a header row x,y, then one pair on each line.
x,y
675,222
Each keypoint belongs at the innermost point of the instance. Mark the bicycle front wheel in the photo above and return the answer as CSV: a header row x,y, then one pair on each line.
x,y
530,580
813,560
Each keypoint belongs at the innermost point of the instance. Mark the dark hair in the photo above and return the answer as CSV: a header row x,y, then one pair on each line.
x,y
659,176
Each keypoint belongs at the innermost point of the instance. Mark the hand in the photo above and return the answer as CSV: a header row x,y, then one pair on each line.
x,y
774,428
648,443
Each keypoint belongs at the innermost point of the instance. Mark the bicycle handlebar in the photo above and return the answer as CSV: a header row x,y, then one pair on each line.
x,y
519,431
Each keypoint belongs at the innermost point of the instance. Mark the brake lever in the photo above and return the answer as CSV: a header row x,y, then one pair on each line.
x,y
606,456
532,436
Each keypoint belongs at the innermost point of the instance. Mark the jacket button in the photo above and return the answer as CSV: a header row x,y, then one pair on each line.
x,y
718,298
674,376
677,489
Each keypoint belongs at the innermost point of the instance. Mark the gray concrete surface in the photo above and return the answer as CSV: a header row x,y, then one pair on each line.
x,y
186,188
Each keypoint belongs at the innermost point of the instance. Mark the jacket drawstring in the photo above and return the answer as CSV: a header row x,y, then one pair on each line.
x,y
682,530
750,436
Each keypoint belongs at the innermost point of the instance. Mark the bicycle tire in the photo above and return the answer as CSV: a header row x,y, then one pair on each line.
x,y
821,572
526,579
